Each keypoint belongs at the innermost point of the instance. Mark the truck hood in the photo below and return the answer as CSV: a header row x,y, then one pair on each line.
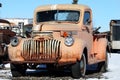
x,y
57,27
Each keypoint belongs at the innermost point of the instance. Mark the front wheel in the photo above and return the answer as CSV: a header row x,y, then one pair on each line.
x,y
79,68
18,70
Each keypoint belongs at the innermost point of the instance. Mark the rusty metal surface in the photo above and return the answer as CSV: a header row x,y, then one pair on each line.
x,y
5,36
41,50
7,32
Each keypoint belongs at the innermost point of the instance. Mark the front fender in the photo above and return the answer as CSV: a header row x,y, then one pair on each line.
x,y
72,53
14,53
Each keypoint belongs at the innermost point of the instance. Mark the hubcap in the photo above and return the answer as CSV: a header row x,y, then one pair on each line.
x,y
83,66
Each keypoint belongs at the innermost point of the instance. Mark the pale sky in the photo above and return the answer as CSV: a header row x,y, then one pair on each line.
x,y
103,10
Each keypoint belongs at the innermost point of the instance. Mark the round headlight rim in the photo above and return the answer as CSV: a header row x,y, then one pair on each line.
x,y
14,41
72,39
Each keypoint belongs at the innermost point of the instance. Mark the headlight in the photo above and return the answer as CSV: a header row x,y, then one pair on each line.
x,y
69,41
14,41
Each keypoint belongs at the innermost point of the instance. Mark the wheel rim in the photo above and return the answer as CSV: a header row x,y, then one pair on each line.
x,y
83,66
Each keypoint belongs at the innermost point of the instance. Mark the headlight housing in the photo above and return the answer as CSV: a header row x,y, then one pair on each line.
x,y
14,41
69,41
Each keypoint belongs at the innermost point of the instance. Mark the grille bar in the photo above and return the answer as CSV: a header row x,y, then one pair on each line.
x,y
41,50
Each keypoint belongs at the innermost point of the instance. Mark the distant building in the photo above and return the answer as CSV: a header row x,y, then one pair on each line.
x,y
20,22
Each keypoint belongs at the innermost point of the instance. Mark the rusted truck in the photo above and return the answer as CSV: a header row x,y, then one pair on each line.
x,y
62,36
5,35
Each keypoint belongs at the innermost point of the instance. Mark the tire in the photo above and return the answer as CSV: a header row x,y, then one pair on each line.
x,y
103,66
51,68
18,70
77,69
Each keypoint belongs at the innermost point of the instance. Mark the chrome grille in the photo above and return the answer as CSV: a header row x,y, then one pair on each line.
x,y
41,50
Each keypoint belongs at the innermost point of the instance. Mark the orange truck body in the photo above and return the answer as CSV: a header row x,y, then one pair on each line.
x,y
60,42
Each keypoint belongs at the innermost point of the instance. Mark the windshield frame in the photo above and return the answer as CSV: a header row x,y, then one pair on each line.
x,y
77,13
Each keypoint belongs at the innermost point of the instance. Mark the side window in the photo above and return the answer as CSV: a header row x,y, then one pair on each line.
x,y
86,20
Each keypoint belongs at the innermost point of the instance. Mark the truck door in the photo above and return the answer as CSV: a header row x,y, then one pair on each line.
x,y
87,24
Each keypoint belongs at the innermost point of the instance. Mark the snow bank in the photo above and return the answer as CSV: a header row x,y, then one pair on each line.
x,y
113,69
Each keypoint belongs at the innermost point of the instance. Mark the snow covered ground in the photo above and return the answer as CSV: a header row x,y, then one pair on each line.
x,y
112,74
113,68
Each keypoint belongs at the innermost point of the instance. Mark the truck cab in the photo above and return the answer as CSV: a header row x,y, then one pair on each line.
x,y
62,35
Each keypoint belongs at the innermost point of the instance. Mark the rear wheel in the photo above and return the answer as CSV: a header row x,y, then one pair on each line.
x,y
103,66
79,68
18,70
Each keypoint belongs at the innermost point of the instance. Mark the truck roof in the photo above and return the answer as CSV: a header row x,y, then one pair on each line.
x,y
115,22
4,21
62,6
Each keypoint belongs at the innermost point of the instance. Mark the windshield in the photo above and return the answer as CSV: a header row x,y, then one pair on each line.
x,y
58,15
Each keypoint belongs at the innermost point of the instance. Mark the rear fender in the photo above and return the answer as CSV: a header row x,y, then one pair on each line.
x,y
101,49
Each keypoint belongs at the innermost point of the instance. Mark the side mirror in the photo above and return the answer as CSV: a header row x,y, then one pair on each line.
x,y
96,30
88,22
